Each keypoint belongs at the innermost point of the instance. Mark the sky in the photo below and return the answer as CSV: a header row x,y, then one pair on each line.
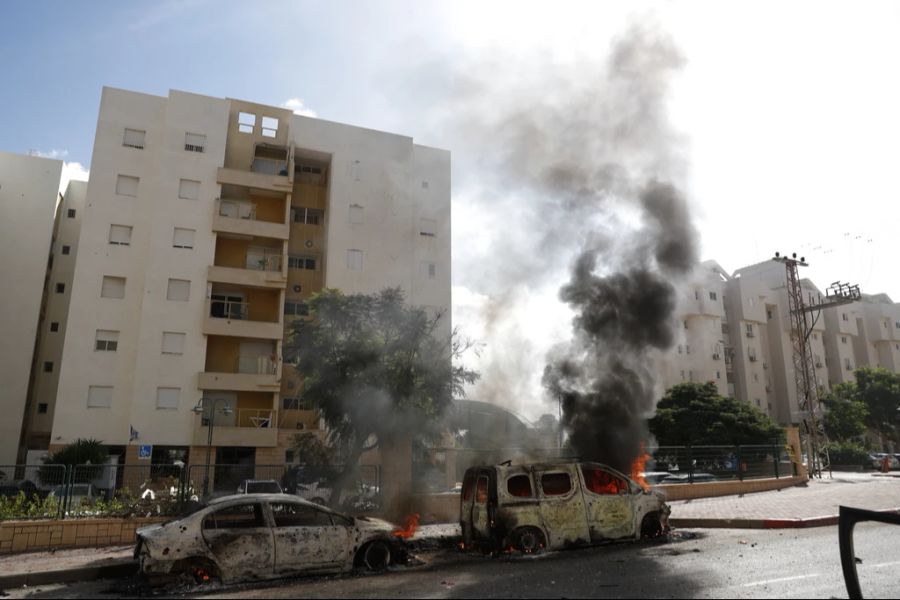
x,y
788,112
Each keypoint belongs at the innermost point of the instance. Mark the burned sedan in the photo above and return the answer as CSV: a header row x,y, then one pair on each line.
x,y
264,536
556,505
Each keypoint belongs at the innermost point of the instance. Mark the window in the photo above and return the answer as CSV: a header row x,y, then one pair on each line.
x,y
468,487
768,314
120,235
188,189
429,270
126,185
356,214
66,249
690,375
306,216
682,374
718,375
355,260
685,324
179,289
556,484
167,398
296,261
242,516
758,404
290,514
296,404
847,364
194,142
755,377
288,456
897,324
843,339
427,227
599,481
713,296
246,122
113,287
696,294
749,327
844,316
519,486
48,366
107,341
134,138
679,348
269,127
687,348
54,326
42,408
60,288
815,336
183,238
172,342
99,396
71,213
481,490
296,309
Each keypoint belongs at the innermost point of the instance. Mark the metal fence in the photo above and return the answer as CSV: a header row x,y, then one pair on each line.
x,y
60,491
695,464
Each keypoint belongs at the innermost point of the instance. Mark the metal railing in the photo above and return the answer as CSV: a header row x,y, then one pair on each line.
x,y
67,491
269,166
269,262
229,309
256,365
696,464
236,209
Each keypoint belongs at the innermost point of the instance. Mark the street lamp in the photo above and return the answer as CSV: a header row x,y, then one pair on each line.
x,y
200,409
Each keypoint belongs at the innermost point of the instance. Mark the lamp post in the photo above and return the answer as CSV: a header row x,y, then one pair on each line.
x,y
200,409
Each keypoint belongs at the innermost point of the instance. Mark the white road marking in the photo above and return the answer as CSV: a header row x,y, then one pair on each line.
x,y
780,579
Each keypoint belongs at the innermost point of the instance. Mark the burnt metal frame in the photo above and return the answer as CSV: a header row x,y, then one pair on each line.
x,y
847,520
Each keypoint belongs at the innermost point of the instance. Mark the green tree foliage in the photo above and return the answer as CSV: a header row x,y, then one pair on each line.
x,y
879,389
695,414
79,452
311,450
847,453
846,414
375,368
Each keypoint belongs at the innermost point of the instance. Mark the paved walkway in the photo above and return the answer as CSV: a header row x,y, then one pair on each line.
x,y
819,498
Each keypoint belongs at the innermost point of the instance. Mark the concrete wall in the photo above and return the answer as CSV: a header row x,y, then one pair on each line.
x,y
29,189
31,536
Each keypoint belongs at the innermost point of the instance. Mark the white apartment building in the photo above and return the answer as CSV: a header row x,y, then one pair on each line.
x,y
756,337
29,190
207,225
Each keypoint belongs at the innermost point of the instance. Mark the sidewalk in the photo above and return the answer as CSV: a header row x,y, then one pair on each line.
x,y
815,504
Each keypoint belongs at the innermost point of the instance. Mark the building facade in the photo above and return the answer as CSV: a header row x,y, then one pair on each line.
x,y
208,223
29,190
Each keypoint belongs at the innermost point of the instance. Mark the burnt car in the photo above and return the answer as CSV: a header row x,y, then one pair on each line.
x,y
264,536
556,505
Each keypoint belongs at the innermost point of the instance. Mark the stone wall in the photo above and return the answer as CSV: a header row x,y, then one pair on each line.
x,y
27,536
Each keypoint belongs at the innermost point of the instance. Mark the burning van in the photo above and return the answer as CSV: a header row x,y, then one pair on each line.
x,y
556,505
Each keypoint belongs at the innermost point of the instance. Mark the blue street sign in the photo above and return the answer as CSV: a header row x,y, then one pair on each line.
x,y
145,451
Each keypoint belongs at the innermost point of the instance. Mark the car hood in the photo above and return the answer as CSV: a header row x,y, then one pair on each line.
x,y
370,524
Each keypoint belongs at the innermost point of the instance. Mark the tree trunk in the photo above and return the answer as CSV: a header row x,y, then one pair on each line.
x,y
347,475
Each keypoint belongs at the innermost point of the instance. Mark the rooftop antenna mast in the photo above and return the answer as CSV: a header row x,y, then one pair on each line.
x,y
804,371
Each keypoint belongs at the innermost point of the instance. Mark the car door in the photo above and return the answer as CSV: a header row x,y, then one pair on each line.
x,y
240,540
481,527
562,507
609,501
307,538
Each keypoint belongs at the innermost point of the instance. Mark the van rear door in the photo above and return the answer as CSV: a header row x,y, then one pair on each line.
x,y
474,501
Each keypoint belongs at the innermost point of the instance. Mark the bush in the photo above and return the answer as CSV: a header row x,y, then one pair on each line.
x,y
79,452
847,453
22,506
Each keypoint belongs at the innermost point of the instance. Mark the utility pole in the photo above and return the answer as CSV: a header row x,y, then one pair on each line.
x,y
804,370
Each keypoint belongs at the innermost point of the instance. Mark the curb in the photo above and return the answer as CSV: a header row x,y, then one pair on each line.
x,y
118,569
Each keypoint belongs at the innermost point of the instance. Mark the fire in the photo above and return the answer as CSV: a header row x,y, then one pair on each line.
x,y
410,524
637,468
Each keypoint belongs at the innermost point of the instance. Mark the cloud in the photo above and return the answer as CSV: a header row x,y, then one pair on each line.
x,y
70,171
299,108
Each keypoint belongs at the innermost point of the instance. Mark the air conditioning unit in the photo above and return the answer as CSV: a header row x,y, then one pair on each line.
x,y
749,334
752,358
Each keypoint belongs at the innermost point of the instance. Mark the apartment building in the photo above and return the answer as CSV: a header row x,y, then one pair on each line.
x,y
757,350
29,190
208,224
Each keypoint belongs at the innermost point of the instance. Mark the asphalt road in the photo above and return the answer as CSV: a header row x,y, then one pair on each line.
x,y
797,563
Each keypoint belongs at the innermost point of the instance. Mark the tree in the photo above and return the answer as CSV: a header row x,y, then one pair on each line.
x,y
694,414
375,368
879,389
311,450
79,452
846,415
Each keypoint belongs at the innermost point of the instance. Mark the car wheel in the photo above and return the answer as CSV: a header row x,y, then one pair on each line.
x,y
651,527
202,570
375,556
528,540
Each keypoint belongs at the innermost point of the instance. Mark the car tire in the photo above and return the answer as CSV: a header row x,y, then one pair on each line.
x,y
202,570
651,528
529,540
375,556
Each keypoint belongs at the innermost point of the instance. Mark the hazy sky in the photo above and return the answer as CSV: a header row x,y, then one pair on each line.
x,y
789,111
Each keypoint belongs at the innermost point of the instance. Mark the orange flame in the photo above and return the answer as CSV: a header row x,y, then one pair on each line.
x,y
410,524
637,468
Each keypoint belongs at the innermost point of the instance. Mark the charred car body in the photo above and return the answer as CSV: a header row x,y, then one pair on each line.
x,y
556,505
264,536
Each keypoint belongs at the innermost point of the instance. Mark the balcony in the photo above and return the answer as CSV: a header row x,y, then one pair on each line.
x,y
225,317
251,373
269,169
247,427
240,217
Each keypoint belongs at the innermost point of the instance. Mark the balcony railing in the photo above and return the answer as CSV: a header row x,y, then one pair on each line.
x,y
269,262
258,418
269,166
227,309
236,209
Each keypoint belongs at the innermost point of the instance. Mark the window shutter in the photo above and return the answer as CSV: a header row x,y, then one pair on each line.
x,y
127,185
134,138
99,396
183,238
113,287
179,289
189,189
167,398
173,342
120,235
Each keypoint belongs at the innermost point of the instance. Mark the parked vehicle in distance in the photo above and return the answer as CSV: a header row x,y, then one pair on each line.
x,y
259,486
876,460
264,536
685,478
556,505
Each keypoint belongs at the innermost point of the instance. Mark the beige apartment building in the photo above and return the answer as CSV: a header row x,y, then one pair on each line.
x,y
207,225
756,337
29,190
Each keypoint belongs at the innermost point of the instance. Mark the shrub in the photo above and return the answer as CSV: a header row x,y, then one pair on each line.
x,y
847,453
